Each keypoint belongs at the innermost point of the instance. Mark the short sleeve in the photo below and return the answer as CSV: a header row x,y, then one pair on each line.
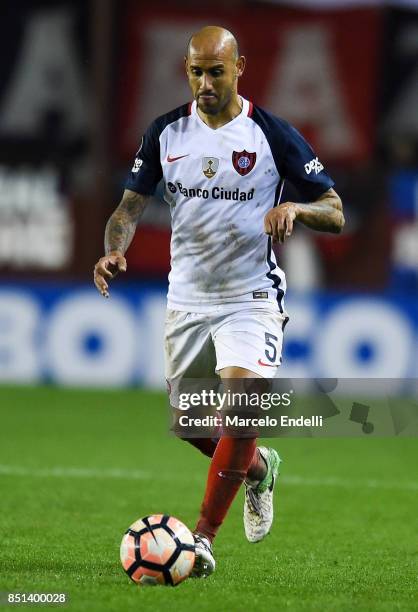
x,y
294,158
146,171
301,166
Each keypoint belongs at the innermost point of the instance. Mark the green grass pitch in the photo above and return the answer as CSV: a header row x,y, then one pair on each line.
x,y
78,466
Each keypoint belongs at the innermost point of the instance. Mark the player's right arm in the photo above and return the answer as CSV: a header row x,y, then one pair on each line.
x,y
120,230
140,185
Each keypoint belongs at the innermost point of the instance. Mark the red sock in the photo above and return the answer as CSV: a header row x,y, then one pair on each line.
x,y
207,446
227,471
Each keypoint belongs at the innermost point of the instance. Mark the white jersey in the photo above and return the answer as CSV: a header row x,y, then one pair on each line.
x,y
219,184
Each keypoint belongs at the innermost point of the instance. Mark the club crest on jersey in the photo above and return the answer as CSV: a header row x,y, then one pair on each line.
x,y
210,166
243,161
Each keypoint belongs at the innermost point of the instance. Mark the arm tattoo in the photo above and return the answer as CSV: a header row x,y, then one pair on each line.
x,y
326,214
120,228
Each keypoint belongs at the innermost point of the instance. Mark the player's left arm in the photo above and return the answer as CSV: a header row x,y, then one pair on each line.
x,y
324,214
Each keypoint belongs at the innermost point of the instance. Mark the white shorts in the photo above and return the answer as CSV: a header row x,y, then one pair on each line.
x,y
199,345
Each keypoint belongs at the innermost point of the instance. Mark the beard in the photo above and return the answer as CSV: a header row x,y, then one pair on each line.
x,y
208,109
213,108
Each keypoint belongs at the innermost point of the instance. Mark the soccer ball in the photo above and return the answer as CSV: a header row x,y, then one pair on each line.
x,y
157,549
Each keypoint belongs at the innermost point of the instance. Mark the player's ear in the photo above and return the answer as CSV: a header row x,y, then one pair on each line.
x,y
240,66
185,64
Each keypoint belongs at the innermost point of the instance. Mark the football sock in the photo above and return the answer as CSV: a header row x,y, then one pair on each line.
x,y
256,471
227,471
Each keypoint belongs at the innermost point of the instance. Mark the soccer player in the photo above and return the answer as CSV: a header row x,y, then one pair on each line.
x,y
223,161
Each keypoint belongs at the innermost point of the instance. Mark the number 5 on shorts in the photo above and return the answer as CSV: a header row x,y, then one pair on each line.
x,y
271,351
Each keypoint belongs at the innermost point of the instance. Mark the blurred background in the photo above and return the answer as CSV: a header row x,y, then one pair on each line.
x,y
79,83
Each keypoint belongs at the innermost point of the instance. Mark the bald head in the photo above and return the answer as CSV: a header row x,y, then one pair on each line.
x,y
213,41
213,67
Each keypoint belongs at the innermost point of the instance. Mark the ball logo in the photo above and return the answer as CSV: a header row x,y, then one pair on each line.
x,y
243,161
171,187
